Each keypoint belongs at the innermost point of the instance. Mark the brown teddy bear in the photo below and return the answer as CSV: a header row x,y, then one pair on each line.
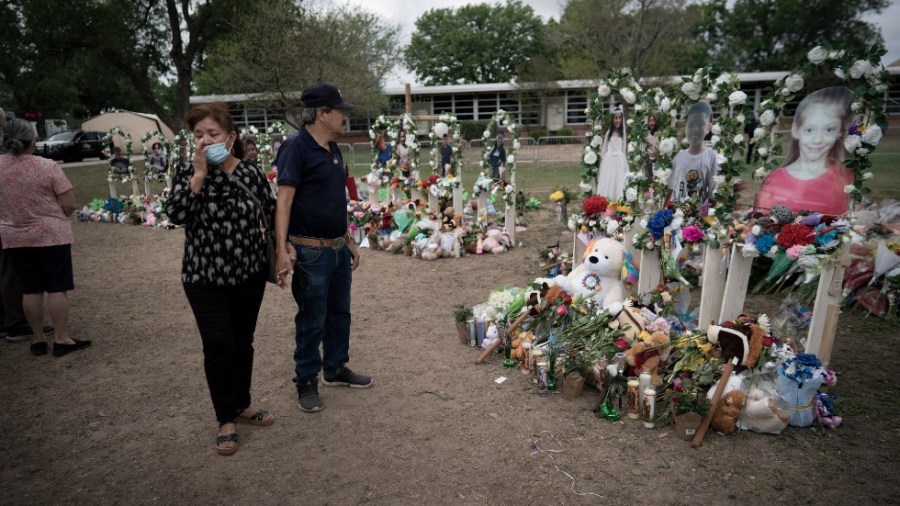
x,y
728,411
645,355
743,340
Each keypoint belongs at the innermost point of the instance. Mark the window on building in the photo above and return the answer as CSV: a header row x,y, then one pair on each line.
x,y
576,103
464,106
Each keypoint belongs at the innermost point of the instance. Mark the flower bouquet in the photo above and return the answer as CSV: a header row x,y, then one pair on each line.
x,y
798,380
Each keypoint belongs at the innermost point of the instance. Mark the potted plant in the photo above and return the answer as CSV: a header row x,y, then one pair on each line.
x,y
462,314
574,370
688,405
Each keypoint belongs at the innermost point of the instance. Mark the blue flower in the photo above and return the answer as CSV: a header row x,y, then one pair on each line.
x,y
764,243
113,205
825,238
659,222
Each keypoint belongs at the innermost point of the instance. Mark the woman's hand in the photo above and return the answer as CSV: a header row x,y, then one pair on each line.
x,y
201,170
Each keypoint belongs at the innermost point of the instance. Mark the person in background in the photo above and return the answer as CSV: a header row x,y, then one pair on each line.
x,y
497,158
749,128
312,214
403,156
446,157
36,201
251,153
223,203
613,164
385,152
652,140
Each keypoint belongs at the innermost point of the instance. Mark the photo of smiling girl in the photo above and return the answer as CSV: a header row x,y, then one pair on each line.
x,y
813,175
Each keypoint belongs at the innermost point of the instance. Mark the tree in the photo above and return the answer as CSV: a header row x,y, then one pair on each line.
x,y
651,37
131,45
281,47
760,35
477,43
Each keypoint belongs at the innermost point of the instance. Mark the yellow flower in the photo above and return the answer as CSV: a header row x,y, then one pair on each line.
x,y
584,228
666,297
557,196
625,209
710,220
644,335
705,347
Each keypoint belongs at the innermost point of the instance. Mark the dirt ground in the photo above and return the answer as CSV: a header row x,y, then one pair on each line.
x,y
129,421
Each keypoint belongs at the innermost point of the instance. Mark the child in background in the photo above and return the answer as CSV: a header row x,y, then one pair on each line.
x,y
813,176
694,168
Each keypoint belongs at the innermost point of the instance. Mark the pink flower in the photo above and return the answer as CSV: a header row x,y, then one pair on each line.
x,y
562,310
795,251
359,214
692,233
677,385
376,208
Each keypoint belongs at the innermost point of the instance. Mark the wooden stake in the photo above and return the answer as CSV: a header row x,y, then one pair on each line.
x,y
701,432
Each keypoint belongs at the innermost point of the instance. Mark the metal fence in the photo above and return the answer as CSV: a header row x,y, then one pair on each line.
x,y
544,151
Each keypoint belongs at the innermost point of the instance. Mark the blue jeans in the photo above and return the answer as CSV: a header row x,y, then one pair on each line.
x,y
321,287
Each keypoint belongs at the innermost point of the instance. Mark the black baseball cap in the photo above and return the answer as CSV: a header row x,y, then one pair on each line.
x,y
324,95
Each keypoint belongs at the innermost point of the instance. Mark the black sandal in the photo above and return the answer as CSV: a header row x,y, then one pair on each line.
x,y
261,418
222,445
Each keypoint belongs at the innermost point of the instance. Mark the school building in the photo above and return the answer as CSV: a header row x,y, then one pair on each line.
x,y
541,108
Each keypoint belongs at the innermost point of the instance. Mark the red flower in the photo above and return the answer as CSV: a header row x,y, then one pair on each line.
x,y
767,341
594,205
793,235
622,344
567,299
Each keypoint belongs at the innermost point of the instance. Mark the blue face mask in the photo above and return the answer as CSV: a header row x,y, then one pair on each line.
x,y
217,153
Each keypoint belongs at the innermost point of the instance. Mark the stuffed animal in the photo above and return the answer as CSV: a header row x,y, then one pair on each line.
x,y
491,335
599,276
450,243
742,340
496,241
762,414
432,250
728,411
630,318
517,351
641,358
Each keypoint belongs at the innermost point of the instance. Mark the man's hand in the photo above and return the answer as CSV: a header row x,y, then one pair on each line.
x,y
285,259
354,255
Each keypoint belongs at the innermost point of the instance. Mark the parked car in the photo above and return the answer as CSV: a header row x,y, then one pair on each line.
x,y
72,146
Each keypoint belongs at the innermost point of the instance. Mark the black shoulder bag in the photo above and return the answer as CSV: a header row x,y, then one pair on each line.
x,y
272,257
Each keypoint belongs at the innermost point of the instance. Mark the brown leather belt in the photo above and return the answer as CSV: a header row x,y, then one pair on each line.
x,y
315,242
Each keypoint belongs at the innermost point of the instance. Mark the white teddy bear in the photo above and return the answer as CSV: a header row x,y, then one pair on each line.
x,y
491,334
599,276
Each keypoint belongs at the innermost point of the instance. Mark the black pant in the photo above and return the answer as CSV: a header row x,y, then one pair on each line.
x,y
226,317
11,315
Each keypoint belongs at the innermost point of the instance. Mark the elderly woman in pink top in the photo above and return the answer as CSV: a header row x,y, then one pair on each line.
x,y
36,201
813,176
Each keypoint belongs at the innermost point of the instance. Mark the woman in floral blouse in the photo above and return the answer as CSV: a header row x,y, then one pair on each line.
x,y
224,265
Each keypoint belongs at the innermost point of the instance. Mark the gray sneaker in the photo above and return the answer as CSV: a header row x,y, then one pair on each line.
x,y
344,377
308,396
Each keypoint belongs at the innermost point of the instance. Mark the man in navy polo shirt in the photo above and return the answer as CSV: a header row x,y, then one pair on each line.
x,y
312,214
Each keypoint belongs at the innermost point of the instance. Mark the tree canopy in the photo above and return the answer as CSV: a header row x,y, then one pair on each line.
x,y
476,43
280,47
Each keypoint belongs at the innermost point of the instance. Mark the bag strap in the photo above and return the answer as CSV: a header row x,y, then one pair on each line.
x,y
262,212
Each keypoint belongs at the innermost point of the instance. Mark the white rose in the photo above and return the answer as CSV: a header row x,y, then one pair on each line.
x,y
794,83
612,226
762,151
441,129
737,98
486,134
712,96
512,127
587,110
862,152
767,117
759,132
720,159
860,68
665,104
590,158
596,141
638,107
851,142
761,172
872,135
692,90
881,88
855,106
723,78
571,222
631,194
698,75
741,118
717,129
511,159
817,55
714,140
739,139
456,137
849,189
667,146
517,144
868,175
840,73
785,92
603,90
585,187
628,95
630,121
